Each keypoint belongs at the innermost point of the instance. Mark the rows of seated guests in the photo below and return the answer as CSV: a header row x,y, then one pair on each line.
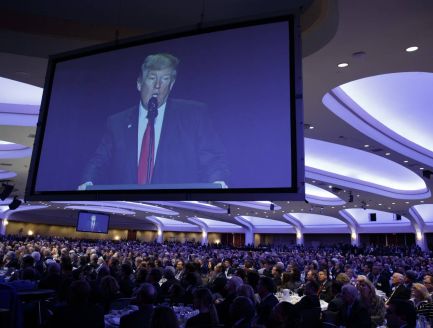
x,y
229,287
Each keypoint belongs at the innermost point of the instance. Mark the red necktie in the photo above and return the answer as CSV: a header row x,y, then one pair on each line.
x,y
147,154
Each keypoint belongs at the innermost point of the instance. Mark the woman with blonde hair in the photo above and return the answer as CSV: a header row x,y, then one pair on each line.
x,y
422,300
374,303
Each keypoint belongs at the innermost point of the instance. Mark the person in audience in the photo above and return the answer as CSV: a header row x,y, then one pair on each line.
x,y
179,270
247,291
109,291
410,277
284,315
422,301
399,290
125,280
266,289
353,314
324,292
164,317
372,302
79,312
203,302
53,279
242,312
168,275
428,283
400,313
276,272
230,293
146,298
308,307
379,278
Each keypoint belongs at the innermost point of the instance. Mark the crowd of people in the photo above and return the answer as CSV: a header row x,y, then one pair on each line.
x,y
229,287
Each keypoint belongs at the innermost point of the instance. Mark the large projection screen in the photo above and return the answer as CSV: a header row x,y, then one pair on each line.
x,y
211,114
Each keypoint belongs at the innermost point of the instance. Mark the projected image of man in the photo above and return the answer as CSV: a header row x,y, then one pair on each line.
x,y
160,141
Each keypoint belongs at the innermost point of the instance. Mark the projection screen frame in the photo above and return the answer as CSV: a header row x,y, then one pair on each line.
x,y
294,192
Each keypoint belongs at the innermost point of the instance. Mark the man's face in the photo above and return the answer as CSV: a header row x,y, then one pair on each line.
x,y
322,276
179,266
395,280
427,281
155,83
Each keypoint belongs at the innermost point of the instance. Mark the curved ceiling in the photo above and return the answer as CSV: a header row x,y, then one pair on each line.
x,y
316,195
361,170
317,220
392,108
19,103
425,211
362,217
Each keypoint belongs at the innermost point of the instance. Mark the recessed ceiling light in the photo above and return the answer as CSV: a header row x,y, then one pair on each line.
x,y
407,202
330,186
332,206
412,49
421,201
421,168
380,204
393,203
406,161
311,127
341,65
314,181
366,146
387,154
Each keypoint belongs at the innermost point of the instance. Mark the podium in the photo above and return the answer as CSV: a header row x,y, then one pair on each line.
x,y
159,186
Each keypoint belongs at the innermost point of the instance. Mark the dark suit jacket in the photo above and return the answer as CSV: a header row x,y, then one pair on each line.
x,y
325,291
189,149
264,309
357,318
382,282
137,319
401,292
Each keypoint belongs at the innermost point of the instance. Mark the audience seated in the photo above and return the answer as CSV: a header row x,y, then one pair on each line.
x,y
146,298
422,301
372,302
266,289
79,311
353,313
163,317
400,313
242,312
399,290
203,302
241,282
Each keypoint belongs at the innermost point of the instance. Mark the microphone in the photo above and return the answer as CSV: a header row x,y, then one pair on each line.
x,y
152,108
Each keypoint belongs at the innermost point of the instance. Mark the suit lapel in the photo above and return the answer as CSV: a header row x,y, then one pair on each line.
x,y
131,145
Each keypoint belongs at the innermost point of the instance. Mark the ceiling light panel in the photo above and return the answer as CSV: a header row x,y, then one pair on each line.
x,y
358,169
394,109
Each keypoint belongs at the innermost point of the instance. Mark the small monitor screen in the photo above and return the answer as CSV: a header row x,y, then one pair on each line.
x,y
209,112
93,222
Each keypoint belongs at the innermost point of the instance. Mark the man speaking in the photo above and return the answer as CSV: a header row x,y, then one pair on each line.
x,y
160,141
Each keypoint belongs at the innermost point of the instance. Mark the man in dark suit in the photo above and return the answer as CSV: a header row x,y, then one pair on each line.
x,y
399,290
325,287
266,289
353,314
146,297
379,278
160,141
